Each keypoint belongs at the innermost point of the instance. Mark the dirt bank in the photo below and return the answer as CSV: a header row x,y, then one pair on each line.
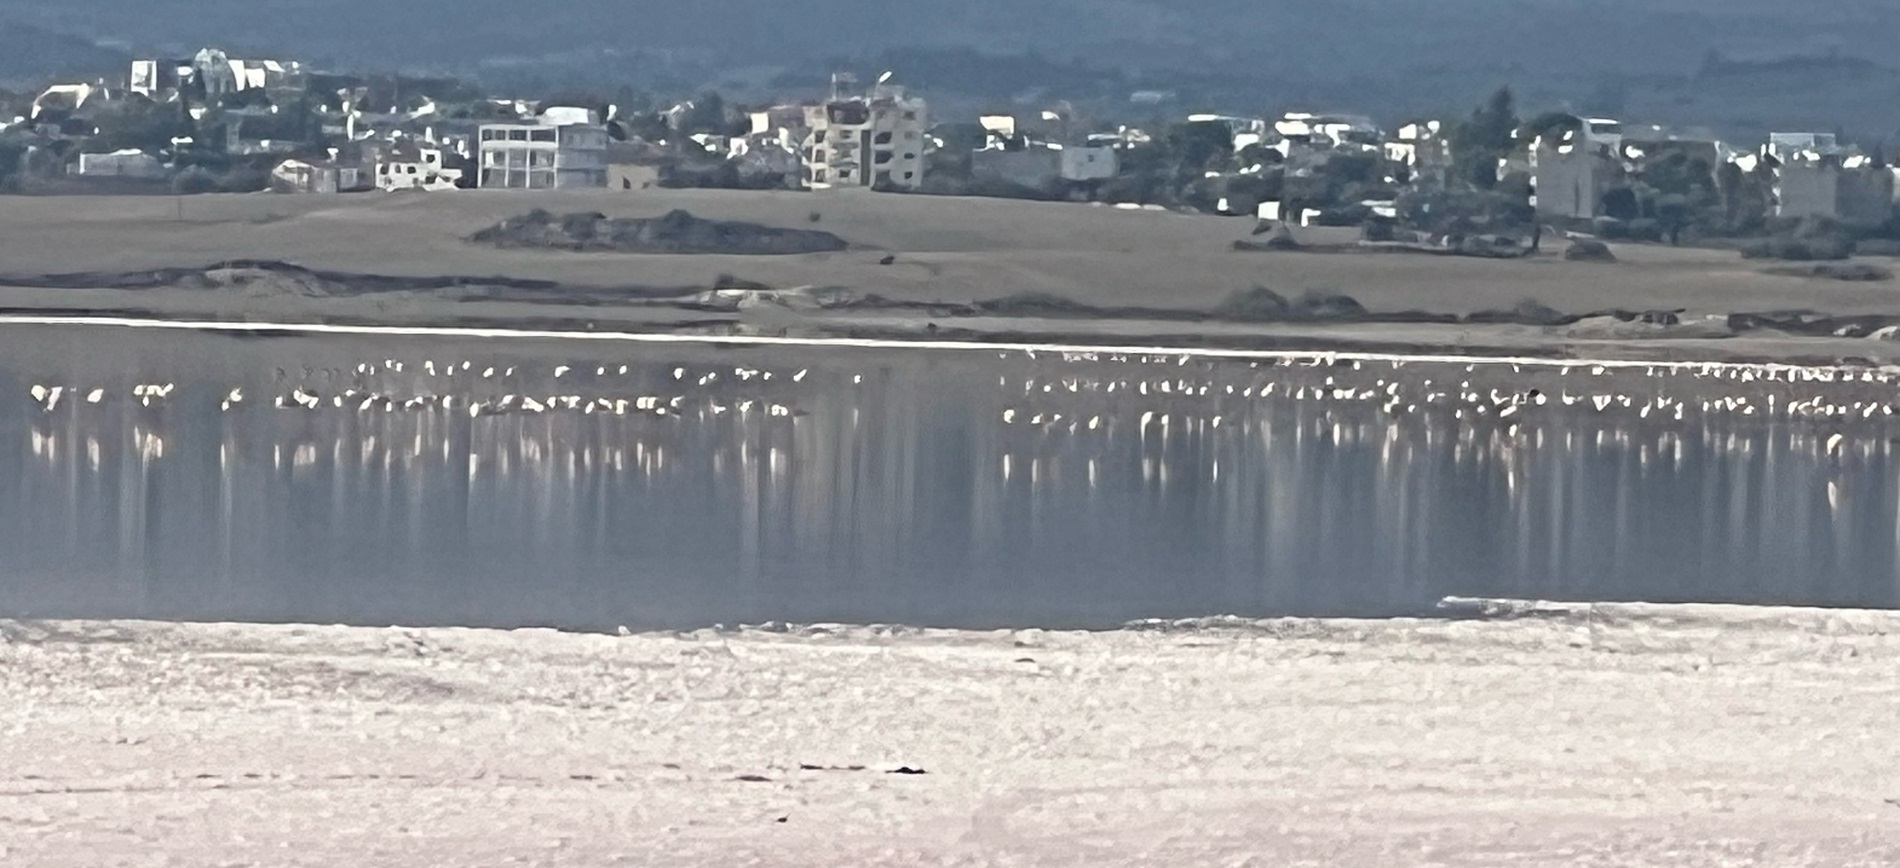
x,y
924,260
1624,735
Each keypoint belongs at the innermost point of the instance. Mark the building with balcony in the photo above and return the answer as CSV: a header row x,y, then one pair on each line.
x,y
561,149
872,140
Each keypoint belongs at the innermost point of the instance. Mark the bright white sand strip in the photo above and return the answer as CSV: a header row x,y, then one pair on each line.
x,y
1610,735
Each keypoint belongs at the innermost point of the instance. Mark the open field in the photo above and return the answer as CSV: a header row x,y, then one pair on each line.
x,y
947,250
1566,736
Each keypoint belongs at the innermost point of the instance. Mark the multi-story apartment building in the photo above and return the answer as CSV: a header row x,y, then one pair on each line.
x,y
563,148
870,140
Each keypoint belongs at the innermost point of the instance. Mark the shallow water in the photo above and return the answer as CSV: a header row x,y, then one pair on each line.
x,y
952,488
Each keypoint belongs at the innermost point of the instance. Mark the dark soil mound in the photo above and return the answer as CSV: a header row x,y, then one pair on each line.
x,y
1258,303
1850,271
1034,304
674,232
1588,250
1527,312
1798,249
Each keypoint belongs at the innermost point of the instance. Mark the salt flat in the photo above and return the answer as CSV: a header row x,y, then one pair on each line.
x,y
1608,735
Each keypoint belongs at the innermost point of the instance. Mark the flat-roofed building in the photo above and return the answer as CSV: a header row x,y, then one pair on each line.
x,y
559,150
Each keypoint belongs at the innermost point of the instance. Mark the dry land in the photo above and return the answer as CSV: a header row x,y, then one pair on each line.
x,y
1538,735
947,251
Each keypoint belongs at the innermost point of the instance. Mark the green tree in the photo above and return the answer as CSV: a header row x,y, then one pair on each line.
x,y
1546,124
139,124
1480,142
1621,203
708,114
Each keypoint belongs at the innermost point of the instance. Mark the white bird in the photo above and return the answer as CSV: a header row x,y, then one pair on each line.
x,y
95,396
561,371
799,377
52,397
487,373
39,393
1834,443
679,373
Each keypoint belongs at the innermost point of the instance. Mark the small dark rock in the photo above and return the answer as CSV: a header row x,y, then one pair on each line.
x,y
907,770
754,779
889,259
1588,250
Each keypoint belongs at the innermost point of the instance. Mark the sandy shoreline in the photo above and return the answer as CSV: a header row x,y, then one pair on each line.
x,y
1625,735
948,252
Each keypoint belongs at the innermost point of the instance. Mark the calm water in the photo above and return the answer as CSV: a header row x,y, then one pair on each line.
x,y
948,488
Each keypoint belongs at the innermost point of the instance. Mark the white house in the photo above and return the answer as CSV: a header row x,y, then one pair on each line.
x,y
414,167
129,163
563,148
1089,164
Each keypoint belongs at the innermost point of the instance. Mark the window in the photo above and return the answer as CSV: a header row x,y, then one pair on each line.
x,y
910,116
545,135
883,138
910,135
909,175
517,135
818,176
818,156
910,156
488,135
412,170
883,157
844,174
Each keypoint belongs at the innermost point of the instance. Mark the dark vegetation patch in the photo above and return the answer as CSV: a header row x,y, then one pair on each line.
x,y
674,232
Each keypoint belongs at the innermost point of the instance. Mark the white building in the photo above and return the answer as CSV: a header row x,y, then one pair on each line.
x,y
1786,147
411,167
129,163
875,140
563,148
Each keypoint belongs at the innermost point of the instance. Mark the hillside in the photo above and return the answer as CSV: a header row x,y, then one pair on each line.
x,y
1384,56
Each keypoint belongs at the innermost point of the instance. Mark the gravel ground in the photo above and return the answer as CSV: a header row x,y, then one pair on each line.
x,y
1613,735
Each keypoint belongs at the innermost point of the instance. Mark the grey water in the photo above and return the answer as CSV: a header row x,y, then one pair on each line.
x,y
953,488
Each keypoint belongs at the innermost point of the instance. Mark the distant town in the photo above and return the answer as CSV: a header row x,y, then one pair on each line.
x,y
1489,183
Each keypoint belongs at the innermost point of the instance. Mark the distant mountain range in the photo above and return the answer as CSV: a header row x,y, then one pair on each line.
x,y
1251,55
